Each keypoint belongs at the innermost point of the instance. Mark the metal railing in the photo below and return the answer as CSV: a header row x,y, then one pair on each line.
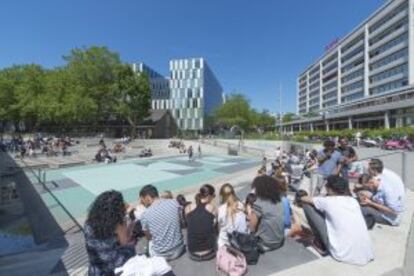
x,y
240,148
41,179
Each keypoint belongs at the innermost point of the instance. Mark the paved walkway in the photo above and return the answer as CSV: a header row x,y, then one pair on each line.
x,y
390,245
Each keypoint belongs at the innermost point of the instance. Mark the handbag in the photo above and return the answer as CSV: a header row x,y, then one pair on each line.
x,y
247,244
231,261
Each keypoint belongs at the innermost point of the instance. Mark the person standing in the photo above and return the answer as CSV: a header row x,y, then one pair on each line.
x,y
190,153
349,155
358,138
329,163
199,151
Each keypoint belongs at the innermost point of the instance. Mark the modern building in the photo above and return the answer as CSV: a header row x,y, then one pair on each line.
x,y
190,93
195,92
365,79
159,84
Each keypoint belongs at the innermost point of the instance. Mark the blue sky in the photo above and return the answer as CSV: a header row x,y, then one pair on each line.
x,y
252,46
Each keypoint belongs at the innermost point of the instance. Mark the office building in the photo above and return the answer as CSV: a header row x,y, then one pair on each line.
x,y
365,79
190,93
195,92
159,84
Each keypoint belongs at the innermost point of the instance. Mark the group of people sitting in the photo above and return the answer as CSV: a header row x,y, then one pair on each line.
x,y
145,152
335,218
178,145
31,147
111,238
104,154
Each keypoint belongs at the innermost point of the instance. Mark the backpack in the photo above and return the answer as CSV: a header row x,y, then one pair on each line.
x,y
231,261
247,244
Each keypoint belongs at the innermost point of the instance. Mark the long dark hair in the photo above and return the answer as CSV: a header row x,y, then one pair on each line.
x,y
205,191
105,213
266,188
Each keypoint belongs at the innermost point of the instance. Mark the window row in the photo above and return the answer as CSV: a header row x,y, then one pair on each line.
x,y
353,75
186,74
389,59
185,64
389,73
329,95
353,97
188,83
352,86
182,93
330,86
353,53
387,18
352,65
388,86
352,43
313,86
388,31
389,45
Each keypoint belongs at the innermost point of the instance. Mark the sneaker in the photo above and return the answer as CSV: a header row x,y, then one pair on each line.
x,y
319,247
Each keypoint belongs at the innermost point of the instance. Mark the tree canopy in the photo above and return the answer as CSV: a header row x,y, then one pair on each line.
x,y
236,111
93,86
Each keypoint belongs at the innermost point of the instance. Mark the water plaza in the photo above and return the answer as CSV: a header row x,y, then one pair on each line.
x,y
59,198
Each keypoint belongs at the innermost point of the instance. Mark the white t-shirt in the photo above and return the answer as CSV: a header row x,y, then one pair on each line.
x,y
391,193
144,266
227,225
348,236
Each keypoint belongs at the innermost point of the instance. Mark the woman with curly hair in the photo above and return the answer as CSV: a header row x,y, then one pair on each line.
x,y
107,237
266,217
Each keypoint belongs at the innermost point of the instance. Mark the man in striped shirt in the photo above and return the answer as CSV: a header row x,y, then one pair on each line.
x,y
161,224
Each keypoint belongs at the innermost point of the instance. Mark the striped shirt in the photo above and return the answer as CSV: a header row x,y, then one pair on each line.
x,y
162,221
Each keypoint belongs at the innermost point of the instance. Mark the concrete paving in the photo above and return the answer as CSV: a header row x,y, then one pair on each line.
x,y
391,244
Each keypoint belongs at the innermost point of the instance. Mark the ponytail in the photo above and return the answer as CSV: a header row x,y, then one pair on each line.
x,y
205,191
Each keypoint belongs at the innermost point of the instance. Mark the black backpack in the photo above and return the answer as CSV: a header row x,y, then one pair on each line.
x,y
247,244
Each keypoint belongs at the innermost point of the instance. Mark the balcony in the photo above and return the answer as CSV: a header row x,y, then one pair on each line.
x,y
354,58
390,65
386,25
357,45
351,81
350,71
389,37
389,79
390,51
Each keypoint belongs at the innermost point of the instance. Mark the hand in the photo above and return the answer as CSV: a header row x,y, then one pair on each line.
x,y
364,200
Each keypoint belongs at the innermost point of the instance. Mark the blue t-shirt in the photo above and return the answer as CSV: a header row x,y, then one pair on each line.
x,y
286,212
328,167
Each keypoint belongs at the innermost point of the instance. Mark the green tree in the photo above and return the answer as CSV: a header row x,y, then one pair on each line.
x,y
28,87
132,96
288,117
235,112
8,101
92,72
266,120
63,102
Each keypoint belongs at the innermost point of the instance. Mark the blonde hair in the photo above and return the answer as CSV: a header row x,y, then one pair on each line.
x,y
228,197
167,195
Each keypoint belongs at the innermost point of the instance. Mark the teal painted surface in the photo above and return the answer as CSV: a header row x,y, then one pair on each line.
x,y
128,177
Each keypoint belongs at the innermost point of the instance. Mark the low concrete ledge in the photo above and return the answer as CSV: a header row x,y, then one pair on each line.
x,y
390,244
